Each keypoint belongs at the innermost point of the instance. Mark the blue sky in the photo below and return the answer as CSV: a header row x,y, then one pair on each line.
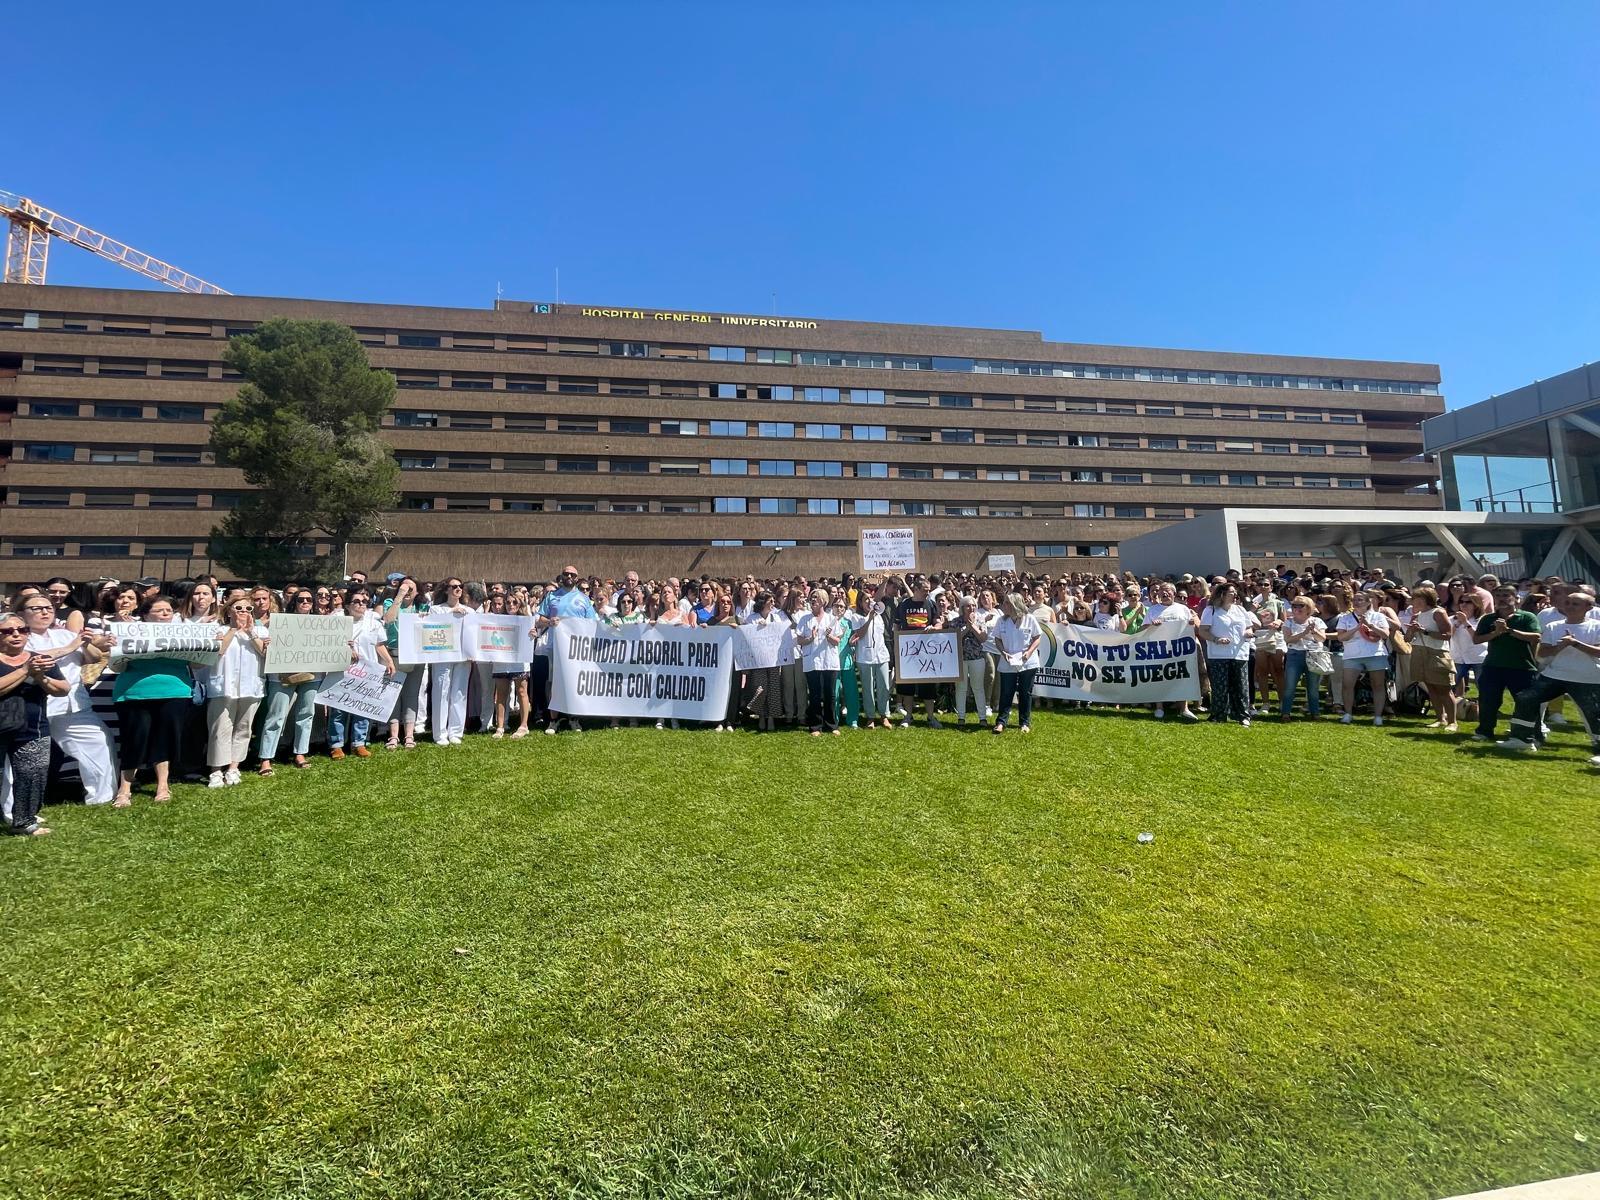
x,y
1387,180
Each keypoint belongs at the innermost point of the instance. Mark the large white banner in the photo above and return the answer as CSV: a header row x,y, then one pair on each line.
x,y
758,646
654,671
1156,665
307,642
363,690
497,638
426,638
191,642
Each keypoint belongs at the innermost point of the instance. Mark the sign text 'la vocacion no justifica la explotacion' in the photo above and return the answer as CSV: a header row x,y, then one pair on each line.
x,y
646,314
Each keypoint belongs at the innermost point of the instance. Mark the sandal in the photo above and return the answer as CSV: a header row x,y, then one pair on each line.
x,y
411,743
392,744
123,800
300,761
162,796
265,771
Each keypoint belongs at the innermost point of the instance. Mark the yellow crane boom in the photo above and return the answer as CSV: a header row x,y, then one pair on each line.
x,y
28,247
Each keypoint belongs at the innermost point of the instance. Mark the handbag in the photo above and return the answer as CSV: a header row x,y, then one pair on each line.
x,y
297,678
1399,643
1319,660
13,714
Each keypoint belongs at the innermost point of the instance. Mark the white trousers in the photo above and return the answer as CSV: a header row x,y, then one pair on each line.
x,y
449,699
84,738
228,726
483,678
974,679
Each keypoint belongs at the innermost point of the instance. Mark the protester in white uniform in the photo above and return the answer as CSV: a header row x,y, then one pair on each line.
x,y
233,690
1227,627
82,736
818,633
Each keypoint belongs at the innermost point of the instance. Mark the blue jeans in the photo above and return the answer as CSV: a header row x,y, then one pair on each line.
x,y
295,703
1294,668
337,720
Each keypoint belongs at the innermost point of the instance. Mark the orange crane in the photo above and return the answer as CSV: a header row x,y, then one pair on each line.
x,y
28,247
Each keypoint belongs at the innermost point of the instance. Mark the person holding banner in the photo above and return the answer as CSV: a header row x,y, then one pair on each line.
x,y
869,642
723,614
404,723
448,694
74,725
511,678
1167,609
153,695
289,697
233,690
368,646
1017,635
818,634
28,682
1225,627
565,600
916,614
765,684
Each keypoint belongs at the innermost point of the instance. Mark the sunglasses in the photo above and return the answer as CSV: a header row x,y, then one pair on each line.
x,y
13,631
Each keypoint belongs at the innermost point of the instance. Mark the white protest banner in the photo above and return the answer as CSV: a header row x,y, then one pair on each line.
x,y
933,657
426,638
888,550
1158,664
194,642
1002,562
363,689
307,642
758,646
653,671
497,638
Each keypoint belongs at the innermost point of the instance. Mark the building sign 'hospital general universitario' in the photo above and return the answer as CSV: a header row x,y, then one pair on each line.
x,y
642,314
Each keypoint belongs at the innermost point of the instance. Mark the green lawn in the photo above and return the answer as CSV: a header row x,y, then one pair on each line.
x,y
1353,962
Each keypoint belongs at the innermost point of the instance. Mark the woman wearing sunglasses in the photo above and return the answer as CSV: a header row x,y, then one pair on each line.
x,y
74,725
290,698
369,647
27,682
233,689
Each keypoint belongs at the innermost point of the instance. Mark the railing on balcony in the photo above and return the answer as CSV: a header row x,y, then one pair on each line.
x,y
1520,501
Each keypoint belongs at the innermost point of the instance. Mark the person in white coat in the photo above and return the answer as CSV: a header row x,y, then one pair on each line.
x,y
82,736
1016,637
818,633
233,690
448,695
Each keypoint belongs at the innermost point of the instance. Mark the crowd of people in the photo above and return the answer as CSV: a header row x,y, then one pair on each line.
x,y
1347,641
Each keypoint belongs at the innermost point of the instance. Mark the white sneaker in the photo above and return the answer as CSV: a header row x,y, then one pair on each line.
x,y
550,729
215,780
1246,722
1376,721
661,724
574,725
455,739
1187,715
1160,713
231,776
1517,746
1346,719
1595,761
988,714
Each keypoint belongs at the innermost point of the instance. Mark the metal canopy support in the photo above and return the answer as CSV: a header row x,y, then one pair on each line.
x,y
1349,560
1588,541
1454,546
1558,550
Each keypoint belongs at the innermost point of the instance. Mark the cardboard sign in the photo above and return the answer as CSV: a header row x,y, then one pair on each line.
x,y
1002,562
497,638
759,646
363,689
191,642
888,550
307,642
933,657
430,638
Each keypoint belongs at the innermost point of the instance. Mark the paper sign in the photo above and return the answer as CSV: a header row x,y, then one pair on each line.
x,y
363,689
307,643
759,646
497,638
191,642
429,638
1002,562
927,657
888,550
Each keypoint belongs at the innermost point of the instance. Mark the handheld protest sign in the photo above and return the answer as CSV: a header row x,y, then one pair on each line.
x,y
888,550
933,657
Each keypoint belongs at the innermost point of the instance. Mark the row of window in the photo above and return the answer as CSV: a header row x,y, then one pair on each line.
x,y
411,339
187,549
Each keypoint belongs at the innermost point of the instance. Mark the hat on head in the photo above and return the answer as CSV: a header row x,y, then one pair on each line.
x,y
395,576
148,581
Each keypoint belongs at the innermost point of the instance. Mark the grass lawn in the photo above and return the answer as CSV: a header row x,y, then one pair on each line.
x,y
1353,963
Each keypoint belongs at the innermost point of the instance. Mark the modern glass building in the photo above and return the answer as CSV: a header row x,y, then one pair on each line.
x,y
687,442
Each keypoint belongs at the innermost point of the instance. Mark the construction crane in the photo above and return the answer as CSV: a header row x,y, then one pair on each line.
x,y
28,247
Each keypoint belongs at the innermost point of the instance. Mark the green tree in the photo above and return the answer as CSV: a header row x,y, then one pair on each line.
x,y
304,430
